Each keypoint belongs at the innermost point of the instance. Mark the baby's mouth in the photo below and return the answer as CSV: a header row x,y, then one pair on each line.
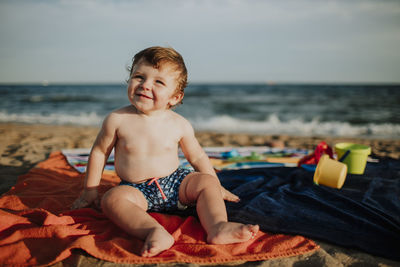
x,y
145,96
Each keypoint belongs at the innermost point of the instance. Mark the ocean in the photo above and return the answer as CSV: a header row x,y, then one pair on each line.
x,y
353,110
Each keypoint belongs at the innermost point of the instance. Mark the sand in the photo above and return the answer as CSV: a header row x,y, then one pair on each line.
x,y
22,146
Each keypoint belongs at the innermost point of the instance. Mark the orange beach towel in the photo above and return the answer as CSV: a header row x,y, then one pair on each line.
x,y
37,227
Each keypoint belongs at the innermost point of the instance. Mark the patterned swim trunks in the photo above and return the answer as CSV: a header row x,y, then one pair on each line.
x,y
166,196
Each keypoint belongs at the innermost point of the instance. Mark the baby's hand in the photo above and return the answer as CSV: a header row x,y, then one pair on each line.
x,y
87,197
229,196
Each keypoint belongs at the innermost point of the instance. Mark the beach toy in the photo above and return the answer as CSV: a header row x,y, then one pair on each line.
x,y
313,158
255,156
356,158
230,154
330,172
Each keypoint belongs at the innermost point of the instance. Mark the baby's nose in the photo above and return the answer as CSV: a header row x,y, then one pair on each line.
x,y
146,85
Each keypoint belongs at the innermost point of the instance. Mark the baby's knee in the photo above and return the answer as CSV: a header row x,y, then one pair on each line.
x,y
195,184
121,195
110,199
207,181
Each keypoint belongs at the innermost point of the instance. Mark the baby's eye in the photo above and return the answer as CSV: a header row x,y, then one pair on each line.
x,y
160,82
139,77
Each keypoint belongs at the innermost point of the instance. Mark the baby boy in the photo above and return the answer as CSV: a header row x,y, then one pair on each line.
x,y
146,135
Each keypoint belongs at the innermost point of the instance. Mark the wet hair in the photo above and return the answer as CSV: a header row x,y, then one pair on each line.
x,y
157,56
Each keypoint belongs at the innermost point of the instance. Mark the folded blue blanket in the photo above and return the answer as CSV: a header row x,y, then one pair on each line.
x,y
364,214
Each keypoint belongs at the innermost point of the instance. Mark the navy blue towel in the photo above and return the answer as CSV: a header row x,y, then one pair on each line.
x,y
364,214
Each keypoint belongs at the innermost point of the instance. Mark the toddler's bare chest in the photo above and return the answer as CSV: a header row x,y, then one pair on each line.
x,y
148,140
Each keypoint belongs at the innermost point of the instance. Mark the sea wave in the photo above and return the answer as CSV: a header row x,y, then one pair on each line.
x,y
224,123
88,119
273,125
59,99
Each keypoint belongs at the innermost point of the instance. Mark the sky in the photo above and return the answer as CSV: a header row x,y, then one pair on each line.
x,y
253,41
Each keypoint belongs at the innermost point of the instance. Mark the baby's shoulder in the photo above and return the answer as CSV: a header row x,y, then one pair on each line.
x,y
177,118
122,112
181,122
125,110
118,115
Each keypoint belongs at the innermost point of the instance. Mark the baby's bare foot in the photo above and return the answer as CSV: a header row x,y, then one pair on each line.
x,y
230,232
156,242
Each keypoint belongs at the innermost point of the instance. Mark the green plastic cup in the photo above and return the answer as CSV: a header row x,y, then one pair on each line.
x,y
356,160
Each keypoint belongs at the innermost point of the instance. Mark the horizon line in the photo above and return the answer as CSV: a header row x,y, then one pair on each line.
x,y
270,83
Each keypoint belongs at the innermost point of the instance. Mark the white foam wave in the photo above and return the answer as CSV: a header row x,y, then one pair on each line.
x,y
91,119
273,125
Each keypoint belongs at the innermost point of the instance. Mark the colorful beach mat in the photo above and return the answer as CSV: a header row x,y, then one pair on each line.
x,y
222,158
37,227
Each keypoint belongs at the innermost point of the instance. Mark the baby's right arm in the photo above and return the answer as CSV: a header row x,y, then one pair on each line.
x,y
101,149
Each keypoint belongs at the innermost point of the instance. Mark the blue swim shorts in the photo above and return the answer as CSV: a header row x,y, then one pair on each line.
x,y
169,185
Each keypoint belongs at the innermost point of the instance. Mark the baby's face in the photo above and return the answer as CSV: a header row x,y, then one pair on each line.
x,y
151,89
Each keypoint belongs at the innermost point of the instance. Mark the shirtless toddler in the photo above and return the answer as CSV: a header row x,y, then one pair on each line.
x,y
146,136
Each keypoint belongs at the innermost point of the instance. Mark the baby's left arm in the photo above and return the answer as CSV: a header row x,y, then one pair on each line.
x,y
197,157
193,152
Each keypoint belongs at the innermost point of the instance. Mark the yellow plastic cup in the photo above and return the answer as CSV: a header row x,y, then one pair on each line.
x,y
356,160
330,172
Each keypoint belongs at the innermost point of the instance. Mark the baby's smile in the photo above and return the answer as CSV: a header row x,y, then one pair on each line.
x,y
143,96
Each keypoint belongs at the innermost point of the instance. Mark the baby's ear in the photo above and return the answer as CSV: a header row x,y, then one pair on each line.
x,y
176,99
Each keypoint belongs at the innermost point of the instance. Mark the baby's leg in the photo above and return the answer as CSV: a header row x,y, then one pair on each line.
x,y
126,207
204,190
